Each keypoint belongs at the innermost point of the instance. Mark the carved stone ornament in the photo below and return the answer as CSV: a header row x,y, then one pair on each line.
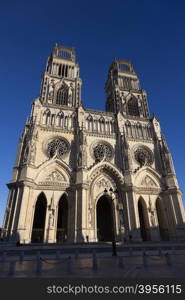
x,y
25,155
103,183
57,147
143,156
147,181
102,151
55,176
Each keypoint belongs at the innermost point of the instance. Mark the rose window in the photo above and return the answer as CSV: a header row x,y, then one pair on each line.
x,y
58,147
143,156
102,151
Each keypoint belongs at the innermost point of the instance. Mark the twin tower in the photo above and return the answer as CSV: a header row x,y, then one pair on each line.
x,y
85,175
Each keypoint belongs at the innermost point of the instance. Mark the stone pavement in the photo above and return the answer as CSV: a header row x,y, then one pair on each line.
x,y
133,261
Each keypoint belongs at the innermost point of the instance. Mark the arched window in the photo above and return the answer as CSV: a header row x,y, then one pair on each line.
x,y
38,227
149,131
95,128
133,130
102,124
62,96
145,135
52,119
133,109
59,70
128,129
105,219
144,220
48,118
107,126
139,130
112,126
90,123
162,220
66,121
73,120
62,222
59,119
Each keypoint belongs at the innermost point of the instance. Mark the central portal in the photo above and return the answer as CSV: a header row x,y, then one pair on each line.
x,y
105,224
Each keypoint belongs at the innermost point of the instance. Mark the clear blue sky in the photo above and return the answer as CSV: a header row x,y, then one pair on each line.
x,y
149,33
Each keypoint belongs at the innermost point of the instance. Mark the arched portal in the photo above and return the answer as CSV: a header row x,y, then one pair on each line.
x,y
62,227
39,219
162,220
144,221
104,215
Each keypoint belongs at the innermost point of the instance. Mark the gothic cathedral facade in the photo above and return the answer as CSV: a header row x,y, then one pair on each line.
x,y
87,175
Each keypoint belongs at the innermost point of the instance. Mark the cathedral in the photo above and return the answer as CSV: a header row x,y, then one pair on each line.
x,y
84,175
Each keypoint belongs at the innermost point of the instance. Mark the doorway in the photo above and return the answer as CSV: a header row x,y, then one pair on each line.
x,y
105,224
62,222
144,222
162,221
39,219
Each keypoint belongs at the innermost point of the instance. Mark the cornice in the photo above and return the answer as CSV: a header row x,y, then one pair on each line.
x,y
140,140
60,107
172,190
96,134
98,112
56,129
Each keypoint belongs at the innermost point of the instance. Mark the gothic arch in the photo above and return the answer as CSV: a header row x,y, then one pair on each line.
x,y
73,119
41,193
151,173
52,166
59,119
62,218
144,220
61,93
149,130
108,168
105,221
98,186
102,124
39,219
139,130
162,219
105,176
132,107
89,123
62,96
46,117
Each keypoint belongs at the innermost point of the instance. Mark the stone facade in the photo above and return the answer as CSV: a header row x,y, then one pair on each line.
x,y
87,175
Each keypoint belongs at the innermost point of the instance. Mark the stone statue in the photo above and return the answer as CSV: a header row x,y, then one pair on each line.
x,y
152,218
79,160
82,156
70,95
51,91
51,220
25,155
32,152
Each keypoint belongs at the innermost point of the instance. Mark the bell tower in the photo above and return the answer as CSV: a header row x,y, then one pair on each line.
x,y
61,84
123,91
69,158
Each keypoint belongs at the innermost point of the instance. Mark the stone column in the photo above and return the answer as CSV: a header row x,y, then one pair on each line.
x,y
51,222
50,226
22,221
18,199
133,224
178,214
81,212
8,213
71,215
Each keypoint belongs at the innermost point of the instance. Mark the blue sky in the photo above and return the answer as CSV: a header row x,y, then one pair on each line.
x,y
149,33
